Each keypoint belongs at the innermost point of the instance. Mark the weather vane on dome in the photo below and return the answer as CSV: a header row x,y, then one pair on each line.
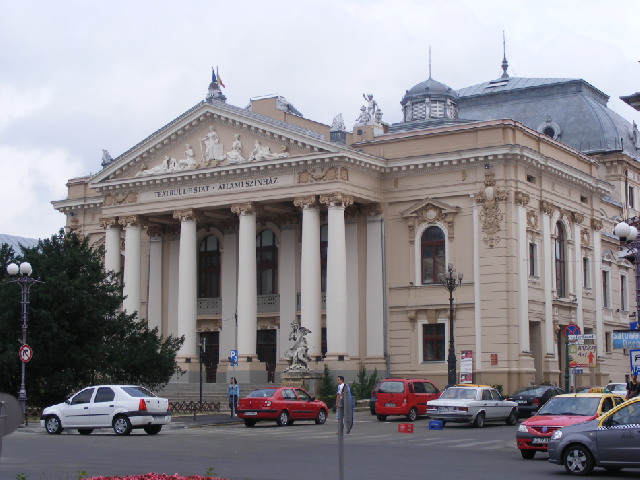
x,y
429,61
505,65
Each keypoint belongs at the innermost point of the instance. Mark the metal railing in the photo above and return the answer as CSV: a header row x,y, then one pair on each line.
x,y
268,303
209,306
323,301
191,407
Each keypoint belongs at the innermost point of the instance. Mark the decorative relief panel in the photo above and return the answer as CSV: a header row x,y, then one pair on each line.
x,y
491,216
324,175
522,198
430,211
120,199
532,219
585,237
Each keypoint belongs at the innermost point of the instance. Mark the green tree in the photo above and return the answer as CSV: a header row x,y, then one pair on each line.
x,y
361,388
327,387
76,329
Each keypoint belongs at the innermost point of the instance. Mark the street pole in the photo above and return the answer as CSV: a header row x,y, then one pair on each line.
x,y
450,280
340,438
566,361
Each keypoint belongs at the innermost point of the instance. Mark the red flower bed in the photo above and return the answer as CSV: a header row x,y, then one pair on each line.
x,y
156,476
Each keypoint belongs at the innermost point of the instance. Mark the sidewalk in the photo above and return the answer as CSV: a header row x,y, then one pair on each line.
x,y
203,419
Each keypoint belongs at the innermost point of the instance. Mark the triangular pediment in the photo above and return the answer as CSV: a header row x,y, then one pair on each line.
x,y
429,204
609,257
214,135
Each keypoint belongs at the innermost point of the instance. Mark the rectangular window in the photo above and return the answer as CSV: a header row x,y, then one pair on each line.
x,y
419,111
623,293
606,301
533,259
531,179
608,344
437,109
433,342
631,197
586,273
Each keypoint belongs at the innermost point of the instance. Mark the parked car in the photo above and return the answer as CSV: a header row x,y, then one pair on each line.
x,y
284,405
610,441
589,389
406,397
535,433
473,404
530,399
121,407
372,400
619,388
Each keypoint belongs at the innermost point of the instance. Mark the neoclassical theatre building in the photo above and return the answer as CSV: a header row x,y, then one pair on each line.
x,y
229,223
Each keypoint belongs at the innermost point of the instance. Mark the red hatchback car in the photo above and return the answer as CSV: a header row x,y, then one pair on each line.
x,y
284,405
399,396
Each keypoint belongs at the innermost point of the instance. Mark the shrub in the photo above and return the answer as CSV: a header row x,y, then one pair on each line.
x,y
361,388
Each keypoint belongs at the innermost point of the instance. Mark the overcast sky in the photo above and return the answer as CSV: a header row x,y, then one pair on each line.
x,y
77,77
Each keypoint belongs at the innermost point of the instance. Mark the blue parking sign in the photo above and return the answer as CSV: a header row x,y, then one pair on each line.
x,y
634,357
233,358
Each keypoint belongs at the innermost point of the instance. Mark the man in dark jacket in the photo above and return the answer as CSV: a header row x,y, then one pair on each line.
x,y
633,387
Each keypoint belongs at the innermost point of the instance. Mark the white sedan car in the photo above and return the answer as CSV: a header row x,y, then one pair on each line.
x,y
121,407
473,404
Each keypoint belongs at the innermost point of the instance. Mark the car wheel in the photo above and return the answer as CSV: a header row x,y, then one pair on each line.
x,y
283,418
382,418
528,454
53,425
512,419
249,423
322,417
479,420
85,431
153,429
122,425
578,460
412,415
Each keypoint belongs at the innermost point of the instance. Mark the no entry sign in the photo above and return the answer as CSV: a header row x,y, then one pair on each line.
x,y
25,353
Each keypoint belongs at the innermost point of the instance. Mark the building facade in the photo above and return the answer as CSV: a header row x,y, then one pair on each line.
x,y
228,224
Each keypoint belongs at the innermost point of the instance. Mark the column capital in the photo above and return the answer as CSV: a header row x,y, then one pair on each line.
x,y
132,221
337,199
108,222
596,224
547,207
154,230
577,217
310,201
522,199
246,208
186,214
371,209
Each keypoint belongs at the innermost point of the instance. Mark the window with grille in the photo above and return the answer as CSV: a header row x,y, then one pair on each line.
x,y
419,111
437,109
433,255
433,342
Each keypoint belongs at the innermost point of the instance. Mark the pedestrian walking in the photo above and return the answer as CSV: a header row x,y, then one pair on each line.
x,y
232,394
633,387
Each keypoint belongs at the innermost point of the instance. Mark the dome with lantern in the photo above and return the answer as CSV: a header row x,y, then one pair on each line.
x,y
430,100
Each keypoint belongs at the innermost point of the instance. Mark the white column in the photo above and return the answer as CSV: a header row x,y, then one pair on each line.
x,y
577,251
336,309
229,293
597,261
548,283
477,310
174,285
310,279
132,286
374,288
155,278
111,244
247,281
353,288
188,281
287,285
523,274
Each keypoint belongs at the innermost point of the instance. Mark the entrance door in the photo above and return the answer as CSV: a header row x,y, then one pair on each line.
x,y
266,350
211,354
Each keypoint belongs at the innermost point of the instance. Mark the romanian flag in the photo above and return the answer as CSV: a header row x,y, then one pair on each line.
x,y
219,80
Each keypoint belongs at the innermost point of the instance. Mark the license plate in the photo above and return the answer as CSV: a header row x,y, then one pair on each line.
x,y
161,418
389,404
250,413
521,401
541,440
443,409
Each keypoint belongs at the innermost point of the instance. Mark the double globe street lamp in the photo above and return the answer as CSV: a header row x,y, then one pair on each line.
x,y
628,234
25,281
450,280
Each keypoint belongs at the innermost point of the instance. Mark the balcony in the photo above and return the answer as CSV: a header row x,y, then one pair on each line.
x,y
209,306
323,301
268,303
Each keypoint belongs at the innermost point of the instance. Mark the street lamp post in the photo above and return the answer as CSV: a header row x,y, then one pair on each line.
x,y
451,279
628,234
25,281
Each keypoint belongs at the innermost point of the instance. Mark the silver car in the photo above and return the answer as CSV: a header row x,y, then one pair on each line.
x,y
473,404
611,441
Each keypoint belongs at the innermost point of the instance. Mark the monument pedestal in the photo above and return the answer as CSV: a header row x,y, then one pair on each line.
x,y
308,381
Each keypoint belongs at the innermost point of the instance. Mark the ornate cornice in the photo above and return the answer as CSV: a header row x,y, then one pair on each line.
x,y
596,224
132,221
371,209
187,214
547,207
337,199
120,199
246,208
324,175
108,222
310,201
522,198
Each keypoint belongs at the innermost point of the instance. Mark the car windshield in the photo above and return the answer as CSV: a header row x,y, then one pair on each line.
x,y
262,393
571,406
533,391
137,392
617,387
391,387
461,393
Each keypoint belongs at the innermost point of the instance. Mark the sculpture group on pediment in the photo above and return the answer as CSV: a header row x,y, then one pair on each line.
x,y
213,149
235,154
261,152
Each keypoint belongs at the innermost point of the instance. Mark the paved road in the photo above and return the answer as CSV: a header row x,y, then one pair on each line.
x,y
373,451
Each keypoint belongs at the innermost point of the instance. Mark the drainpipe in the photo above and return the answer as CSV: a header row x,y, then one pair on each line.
x,y
384,301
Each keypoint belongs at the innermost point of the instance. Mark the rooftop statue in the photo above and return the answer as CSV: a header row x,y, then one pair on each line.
x,y
338,124
371,114
106,158
298,354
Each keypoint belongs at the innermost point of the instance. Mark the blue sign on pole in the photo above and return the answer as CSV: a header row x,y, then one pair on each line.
x,y
629,339
634,358
233,358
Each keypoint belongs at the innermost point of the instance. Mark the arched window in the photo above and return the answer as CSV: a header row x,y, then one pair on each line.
x,y
324,232
560,262
433,257
267,263
209,268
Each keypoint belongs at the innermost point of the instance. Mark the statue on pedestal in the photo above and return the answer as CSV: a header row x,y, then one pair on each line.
x,y
298,354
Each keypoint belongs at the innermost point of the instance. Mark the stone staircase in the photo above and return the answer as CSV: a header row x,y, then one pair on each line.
x,y
211,392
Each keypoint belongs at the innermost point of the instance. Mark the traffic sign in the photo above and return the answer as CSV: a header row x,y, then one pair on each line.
x,y
233,358
582,355
572,329
626,339
634,357
578,371
25,353
587,336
